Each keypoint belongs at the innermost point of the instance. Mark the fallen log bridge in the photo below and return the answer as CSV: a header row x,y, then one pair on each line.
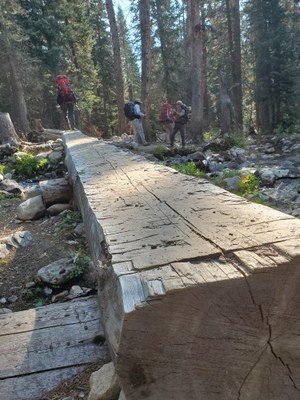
x,y
199,288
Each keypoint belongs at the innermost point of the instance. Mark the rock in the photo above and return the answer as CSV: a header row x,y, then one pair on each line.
x,y
32,208
13,298
5,311
6,195
76,291
104,384
58,272
4,252
21,238
11,186
55,156
32,192
79,229
122,396
233,183
56,209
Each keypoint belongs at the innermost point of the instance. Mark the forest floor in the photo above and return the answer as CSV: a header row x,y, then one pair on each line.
x,y
51,238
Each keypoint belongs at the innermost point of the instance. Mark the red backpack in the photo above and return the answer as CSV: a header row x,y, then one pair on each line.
x,y
166,114
64,85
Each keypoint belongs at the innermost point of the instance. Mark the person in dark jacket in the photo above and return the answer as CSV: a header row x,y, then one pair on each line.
x,y
66,104
179,123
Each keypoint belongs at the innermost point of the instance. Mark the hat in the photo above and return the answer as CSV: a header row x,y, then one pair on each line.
x,y
138,101
179,102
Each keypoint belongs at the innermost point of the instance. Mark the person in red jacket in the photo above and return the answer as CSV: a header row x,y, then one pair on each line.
x,y
166,118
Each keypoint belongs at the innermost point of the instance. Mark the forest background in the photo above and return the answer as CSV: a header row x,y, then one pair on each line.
x,y
235,63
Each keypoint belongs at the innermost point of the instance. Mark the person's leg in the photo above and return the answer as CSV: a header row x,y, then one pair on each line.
x,y
64,110
71,115
140,130
169,129
136,131
182,134
172,136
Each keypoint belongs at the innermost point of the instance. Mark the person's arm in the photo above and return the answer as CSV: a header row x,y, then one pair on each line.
x,y
137,111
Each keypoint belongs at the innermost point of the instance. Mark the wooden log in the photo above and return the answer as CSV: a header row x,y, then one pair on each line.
x,y
199,288
41,348
56,191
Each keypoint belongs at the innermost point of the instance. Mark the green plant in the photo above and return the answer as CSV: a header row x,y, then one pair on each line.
x,y
238,140
81,262
29,166
39,303
189,169
211,135
3,169
226,173
160,152
72,218
249,184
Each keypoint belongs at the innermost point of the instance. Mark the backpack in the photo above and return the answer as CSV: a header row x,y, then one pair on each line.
x,y
166,113
64,87
129,110
185,118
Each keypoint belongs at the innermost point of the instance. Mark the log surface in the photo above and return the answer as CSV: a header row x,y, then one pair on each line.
x,y
45,346
200,289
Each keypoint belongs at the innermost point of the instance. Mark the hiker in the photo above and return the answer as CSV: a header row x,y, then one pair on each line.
x,y
66,100
180,119
166,118
138,123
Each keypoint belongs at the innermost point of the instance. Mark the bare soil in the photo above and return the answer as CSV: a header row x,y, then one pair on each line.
x,y
52,239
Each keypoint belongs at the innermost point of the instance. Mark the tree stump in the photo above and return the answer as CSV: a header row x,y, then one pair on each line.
x,y
8,134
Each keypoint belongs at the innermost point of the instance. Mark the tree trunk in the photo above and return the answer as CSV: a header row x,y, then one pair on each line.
x,y
8,134
234,33
145,28
224,107
117,65
197,71
18,94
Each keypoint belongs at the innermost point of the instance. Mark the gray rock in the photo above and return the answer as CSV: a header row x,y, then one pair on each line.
x,y
32,208
5,311
55,156
104,383
32,192
4,252
56,209
11,186
233,183
58,272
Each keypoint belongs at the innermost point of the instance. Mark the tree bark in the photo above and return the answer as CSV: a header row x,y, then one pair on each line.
x,y
234,33
117,65
8,134
56,191
145,28
197,71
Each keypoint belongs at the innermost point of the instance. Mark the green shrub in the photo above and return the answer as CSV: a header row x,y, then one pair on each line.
x,y
29,166
72,218
161,152
250,184
81,262
189,169
3,169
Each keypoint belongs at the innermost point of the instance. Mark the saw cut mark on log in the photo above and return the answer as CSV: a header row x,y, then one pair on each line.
x,y
201,295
